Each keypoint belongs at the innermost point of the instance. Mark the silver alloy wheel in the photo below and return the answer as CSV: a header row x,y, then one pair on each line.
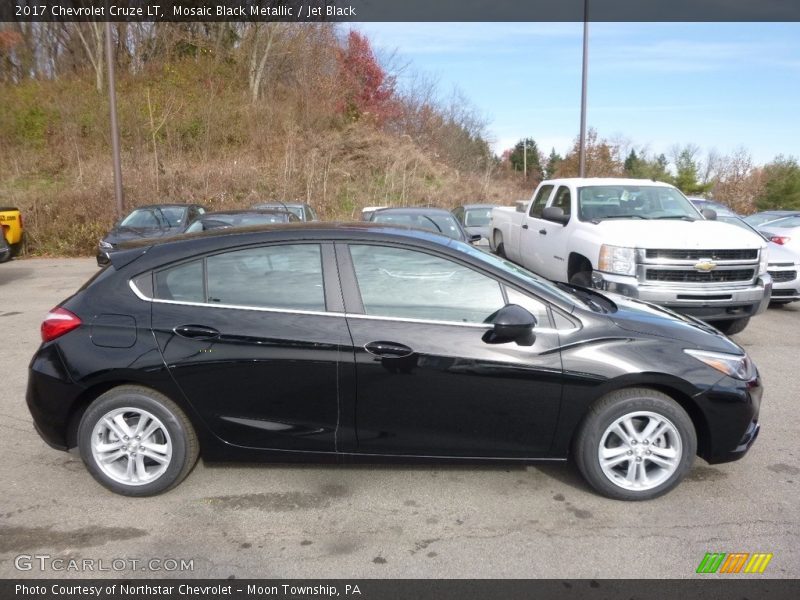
x,y
640,450
131,446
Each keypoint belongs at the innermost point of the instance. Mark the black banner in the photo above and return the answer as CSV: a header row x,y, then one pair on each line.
x,y
701,588
400,10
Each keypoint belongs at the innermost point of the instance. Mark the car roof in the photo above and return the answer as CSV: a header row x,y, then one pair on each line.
x,y
279,204
413,210
169,205
587,181
471,206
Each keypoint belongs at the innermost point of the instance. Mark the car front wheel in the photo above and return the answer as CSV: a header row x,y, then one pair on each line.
x,y
136,441
635,444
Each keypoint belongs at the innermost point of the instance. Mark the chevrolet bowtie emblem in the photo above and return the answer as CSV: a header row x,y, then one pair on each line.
x,y
706,265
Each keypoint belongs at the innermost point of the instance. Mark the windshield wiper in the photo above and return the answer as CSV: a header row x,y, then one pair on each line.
x,y
625,217
582,295
439,229
681,217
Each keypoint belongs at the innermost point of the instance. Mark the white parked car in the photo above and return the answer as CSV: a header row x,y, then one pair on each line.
x,y
642,239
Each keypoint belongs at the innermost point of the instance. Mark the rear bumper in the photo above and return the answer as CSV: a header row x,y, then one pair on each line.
x,y
704,302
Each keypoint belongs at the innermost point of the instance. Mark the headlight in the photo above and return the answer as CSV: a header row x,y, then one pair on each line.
x,y
616,259
105,245
764,260
737,366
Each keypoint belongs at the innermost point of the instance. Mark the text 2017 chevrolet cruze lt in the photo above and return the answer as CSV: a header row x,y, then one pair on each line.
x,y
361,342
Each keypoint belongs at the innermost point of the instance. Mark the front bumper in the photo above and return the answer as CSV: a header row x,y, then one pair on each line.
x,y
785,283
704,302
731,408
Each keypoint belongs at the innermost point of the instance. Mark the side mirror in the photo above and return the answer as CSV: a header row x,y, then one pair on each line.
x,y
709,214
555,214
474,238
512,323
521,205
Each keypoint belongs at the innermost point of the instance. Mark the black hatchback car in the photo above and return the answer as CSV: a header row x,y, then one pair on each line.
x,y
359,342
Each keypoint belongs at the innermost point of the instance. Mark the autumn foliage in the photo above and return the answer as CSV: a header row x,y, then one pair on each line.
x,y
367,89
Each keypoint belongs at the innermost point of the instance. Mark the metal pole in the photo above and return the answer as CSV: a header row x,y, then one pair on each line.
x,y
525,158
582,153
112,100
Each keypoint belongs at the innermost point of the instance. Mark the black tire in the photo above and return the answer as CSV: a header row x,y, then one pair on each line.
x,y
181,440
5,248
581,278
733,326
499,248
616,405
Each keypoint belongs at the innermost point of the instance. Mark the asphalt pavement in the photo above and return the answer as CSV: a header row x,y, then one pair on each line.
x,y
276,521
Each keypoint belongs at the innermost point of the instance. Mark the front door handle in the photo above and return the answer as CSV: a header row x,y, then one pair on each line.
x,y
543,231
388,349
525,226
196,332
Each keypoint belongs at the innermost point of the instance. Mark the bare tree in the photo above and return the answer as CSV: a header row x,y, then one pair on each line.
x,y
92,37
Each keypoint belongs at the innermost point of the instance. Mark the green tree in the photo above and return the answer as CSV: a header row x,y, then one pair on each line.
x,y
517,157
686,175
552,163
782,185
635,166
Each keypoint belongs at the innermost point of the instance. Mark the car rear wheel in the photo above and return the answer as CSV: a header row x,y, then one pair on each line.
x,y
137,442
635,444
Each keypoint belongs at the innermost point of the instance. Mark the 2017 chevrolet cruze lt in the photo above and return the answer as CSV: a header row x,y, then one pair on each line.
x,y
365,342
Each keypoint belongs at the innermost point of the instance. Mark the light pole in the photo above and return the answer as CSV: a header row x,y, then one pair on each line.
x,y
582,151
112,100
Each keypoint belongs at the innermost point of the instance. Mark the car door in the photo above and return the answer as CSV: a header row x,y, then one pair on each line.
x,y
533,250
551,237
427,383
253,339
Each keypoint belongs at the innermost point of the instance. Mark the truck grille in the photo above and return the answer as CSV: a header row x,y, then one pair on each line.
x,y
699,254
692,276
778,276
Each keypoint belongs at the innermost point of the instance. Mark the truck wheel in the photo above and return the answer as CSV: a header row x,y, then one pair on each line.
x,y
137,442
499,248
635,444
582,278
733,326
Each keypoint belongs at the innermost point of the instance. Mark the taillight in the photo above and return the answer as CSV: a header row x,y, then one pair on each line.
x,y
58,322
779,239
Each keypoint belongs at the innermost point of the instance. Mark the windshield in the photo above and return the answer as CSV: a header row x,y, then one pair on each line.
x,y
759,218
601,202
213,221
478,217
786,222
440,223
155,217
518,272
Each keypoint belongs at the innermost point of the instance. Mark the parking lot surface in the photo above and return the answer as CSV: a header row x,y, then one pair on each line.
x,y
386,521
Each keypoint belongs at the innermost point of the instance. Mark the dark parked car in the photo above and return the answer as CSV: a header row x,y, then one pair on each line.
x,y
148,222
5,249
241,218
430,219
476,220
357,342
303,211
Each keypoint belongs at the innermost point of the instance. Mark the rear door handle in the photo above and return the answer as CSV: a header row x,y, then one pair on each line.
x,y
543,231
196,332
388,349
525,226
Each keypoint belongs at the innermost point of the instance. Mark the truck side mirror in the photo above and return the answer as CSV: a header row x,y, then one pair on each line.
x,y
555,214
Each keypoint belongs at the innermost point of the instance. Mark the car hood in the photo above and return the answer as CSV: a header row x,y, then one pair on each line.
x,y
677,234
646,318
119,235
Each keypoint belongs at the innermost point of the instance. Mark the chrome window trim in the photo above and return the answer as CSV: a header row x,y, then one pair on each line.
x,y
485,326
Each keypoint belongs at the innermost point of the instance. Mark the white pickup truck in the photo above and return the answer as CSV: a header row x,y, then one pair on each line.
x,y
639,238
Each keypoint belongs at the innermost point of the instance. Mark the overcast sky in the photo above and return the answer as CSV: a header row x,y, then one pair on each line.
x,y
717,85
